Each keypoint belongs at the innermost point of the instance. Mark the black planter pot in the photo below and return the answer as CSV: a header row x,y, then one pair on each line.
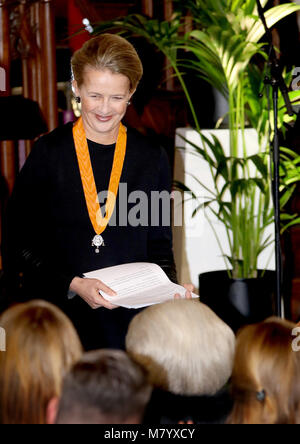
x,y
238,301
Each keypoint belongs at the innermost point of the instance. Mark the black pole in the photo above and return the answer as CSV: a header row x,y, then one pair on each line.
x,y
277,201
277,79
277,83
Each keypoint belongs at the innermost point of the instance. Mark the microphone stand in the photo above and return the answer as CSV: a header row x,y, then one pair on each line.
x,y
277,82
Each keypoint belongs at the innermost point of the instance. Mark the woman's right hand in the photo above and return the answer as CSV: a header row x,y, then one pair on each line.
x,y
88,290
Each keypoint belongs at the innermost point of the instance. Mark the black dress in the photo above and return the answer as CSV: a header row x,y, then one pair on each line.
x,y
48,233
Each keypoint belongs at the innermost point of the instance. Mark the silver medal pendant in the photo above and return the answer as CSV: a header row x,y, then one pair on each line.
x,y
97,242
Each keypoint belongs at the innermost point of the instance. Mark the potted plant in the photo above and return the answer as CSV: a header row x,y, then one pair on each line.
x,y
244,294
223,40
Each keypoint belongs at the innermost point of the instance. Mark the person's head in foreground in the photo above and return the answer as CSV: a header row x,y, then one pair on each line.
x,y
266,375
186,348
104,387
41,347
106,72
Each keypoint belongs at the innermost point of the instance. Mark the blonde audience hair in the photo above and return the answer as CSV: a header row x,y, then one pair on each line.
x,y
266,375
108,51
183,345
41,347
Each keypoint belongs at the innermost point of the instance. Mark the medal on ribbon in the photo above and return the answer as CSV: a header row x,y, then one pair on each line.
x,y
98,221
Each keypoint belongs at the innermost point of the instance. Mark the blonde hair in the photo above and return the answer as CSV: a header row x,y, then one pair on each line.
x,y
183,345
41,347
266,375
108,51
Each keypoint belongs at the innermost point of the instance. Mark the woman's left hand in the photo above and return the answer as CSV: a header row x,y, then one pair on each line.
x,y
188,294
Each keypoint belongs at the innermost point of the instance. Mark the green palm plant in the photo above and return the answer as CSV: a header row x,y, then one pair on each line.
x,y
258,115
224,38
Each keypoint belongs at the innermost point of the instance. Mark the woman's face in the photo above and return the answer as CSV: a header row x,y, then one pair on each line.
x,y
104,96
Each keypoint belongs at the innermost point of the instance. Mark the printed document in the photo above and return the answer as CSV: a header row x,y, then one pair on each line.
x,y
137,284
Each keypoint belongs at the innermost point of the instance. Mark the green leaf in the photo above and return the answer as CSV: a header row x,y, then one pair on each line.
x,y
272,16
285,217
286,196
200,151
222,170
182,187
291,224
260,165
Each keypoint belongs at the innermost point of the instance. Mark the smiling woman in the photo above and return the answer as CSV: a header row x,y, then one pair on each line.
x,y
65,231
105,78
104,98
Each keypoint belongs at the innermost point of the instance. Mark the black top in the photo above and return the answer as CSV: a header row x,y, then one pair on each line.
x,y
48,232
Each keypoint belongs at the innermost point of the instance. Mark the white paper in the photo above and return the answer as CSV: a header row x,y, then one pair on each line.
x,y
137,284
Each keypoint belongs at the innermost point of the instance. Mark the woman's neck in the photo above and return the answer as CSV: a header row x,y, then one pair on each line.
x,y
103,138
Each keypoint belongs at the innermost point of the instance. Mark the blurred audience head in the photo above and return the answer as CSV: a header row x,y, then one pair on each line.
x,y
41,346
266,375
104,387
184,346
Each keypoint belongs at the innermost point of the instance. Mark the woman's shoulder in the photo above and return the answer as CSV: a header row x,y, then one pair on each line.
x,y
144,146
50,147
60,135
148,142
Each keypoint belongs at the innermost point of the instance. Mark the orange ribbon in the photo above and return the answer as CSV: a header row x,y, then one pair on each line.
x,y
87,177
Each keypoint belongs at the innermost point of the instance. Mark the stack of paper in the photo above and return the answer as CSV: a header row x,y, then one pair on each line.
x,y
137,284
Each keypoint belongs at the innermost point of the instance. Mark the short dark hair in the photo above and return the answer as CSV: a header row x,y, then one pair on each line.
x,y
105,386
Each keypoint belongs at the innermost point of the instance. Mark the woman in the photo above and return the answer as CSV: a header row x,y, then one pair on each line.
x,y
57,230
41,347
266,374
